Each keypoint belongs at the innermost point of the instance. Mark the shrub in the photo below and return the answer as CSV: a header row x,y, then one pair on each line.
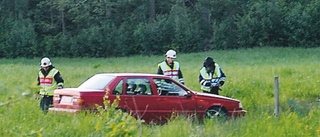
x,y
114,122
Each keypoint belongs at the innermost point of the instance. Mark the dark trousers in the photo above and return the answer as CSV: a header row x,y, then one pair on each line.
x,y
213,90
45,103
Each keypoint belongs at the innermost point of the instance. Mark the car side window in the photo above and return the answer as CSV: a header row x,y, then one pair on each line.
x,y
167,87
118,89
138,86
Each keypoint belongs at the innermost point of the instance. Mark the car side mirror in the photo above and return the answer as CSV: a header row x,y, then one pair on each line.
x,y
188,95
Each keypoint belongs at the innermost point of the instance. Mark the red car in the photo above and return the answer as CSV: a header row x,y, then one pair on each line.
x,y
150,97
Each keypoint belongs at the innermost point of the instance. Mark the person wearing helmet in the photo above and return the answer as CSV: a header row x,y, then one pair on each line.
x,y
170,67
49,79
211,76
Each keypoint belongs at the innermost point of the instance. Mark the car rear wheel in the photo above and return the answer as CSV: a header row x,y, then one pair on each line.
x,y
216,113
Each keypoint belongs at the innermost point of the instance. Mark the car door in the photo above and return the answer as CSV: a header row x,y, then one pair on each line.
x,y
173,98
138,98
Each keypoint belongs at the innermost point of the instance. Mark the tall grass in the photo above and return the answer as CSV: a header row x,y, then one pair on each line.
x,y
250,78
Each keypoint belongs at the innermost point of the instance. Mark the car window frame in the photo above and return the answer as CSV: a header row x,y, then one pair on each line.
x,y
185,93
138,80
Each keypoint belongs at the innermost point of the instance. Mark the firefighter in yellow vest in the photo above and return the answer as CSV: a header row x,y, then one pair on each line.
x,y
49,79
170,67
211,76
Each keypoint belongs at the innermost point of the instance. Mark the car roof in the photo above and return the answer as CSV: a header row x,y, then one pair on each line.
x,y
130,74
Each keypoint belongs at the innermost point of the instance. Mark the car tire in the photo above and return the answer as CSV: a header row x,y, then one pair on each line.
x,y
216,113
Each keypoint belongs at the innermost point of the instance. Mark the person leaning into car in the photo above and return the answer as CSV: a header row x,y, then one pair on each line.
x,y
211,76
170,67
49,79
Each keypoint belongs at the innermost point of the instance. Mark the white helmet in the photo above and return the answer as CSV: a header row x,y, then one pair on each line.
x,y
171,53
45,62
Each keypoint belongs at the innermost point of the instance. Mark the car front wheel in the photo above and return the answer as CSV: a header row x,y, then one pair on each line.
x,y
216,113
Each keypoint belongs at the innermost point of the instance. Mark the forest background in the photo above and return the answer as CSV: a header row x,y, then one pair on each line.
x,y
115,28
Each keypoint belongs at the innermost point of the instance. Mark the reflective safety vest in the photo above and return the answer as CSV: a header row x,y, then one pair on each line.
x,y
48,84
213,78
167,71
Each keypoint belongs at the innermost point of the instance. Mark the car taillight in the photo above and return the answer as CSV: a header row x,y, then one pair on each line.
x,y
78,100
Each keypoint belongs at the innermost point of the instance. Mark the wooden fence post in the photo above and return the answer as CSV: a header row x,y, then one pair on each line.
x,y
276,97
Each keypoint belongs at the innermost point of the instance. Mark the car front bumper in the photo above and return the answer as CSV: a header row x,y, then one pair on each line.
x,y
237,113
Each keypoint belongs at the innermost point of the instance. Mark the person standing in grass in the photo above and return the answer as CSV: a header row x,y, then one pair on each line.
x,y
49,79
211,76
170,67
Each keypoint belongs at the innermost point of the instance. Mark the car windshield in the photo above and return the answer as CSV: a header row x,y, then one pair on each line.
x,y
98,82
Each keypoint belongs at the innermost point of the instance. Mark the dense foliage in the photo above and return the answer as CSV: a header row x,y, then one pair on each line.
x,y
113,28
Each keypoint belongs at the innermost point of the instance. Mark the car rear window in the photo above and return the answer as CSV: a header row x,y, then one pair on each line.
x,y
97,82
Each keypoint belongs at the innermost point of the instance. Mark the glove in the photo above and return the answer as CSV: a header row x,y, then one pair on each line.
x,y
60,87
207,83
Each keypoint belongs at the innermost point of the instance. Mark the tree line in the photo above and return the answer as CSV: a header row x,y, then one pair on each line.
x,y
115,28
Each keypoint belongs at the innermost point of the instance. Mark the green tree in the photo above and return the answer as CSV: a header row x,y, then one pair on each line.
x,y
21,40
302,22
260,26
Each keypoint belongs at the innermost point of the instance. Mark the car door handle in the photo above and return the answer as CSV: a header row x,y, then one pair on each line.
x,y
162,99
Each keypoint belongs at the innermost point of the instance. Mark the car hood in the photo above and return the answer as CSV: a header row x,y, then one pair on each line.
x,y
213,96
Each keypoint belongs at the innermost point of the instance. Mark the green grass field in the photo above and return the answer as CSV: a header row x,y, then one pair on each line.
x,y
250,78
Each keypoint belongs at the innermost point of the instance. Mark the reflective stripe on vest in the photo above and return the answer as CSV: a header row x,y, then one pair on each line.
x,y
209,77
48,84
167,71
